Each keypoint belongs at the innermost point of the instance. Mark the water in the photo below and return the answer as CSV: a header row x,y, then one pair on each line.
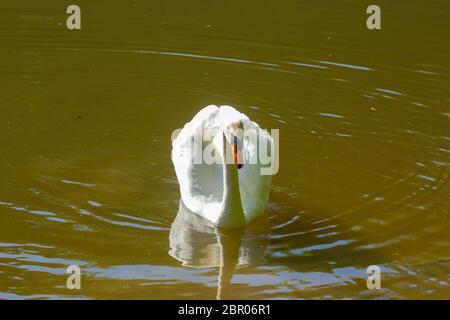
x,y
86,175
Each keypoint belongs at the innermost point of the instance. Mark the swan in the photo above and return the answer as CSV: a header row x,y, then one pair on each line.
x,y
228,193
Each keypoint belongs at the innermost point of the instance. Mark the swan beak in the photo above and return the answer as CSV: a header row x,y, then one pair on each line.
x,y
237,155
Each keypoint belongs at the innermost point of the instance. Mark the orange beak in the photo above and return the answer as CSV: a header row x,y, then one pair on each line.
x,y
236,155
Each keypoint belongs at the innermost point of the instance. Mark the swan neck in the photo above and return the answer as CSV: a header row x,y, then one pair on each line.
x,y
232,213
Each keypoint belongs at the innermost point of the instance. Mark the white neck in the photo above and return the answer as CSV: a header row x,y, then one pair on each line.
x,y
232,215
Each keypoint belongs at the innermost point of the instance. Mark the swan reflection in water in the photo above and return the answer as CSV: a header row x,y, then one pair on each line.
x,y
197,243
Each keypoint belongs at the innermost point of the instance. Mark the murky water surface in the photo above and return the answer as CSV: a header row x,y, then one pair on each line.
x,y
85,170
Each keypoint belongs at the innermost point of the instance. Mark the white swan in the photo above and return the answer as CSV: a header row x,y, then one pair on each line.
x,y
228,193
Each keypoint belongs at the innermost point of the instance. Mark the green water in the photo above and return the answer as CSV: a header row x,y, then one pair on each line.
x,y
86,176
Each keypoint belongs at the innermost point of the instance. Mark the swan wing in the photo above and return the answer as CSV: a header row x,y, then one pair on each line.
x,y
254,186
201,185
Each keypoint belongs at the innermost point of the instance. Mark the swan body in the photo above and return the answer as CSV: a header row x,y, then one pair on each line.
x,y
228,195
